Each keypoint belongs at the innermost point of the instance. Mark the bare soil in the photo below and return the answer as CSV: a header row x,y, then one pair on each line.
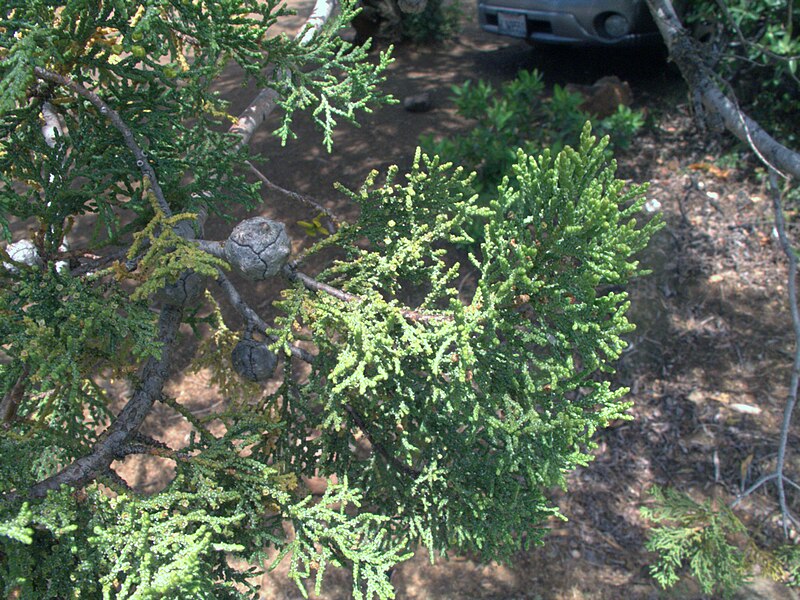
x,y
708,365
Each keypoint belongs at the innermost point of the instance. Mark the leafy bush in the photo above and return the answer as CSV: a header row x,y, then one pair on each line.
x,y
622,126
519,115
439,22
710,542
435,419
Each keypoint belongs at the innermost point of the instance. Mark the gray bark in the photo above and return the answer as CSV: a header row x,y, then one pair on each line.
x,y
684,51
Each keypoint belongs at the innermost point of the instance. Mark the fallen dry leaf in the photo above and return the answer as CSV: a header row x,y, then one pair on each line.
x,y
711,169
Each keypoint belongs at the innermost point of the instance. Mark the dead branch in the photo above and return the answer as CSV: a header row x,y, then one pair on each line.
x,y
322,11
308,200
684,52
254,115
778,475
791,401
267,99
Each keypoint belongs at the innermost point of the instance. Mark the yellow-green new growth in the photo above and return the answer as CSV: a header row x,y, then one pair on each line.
x,y
166,255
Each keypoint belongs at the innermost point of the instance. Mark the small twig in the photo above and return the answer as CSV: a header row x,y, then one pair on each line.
x,y
251,316
761,481
147,450
317,286
392,460
141,158
210,409
302,198
140,443
791,483
778,474
682,201
188,415
142,438
98,263
780,225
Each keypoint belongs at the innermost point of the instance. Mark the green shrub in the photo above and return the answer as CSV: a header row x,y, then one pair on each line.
x,y
708,541
519,115
439,22
622,126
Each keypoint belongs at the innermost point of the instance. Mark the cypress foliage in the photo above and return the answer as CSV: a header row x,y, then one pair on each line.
x,y
478,407
437,419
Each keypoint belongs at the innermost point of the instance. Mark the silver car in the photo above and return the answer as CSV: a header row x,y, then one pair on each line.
x,y
574,22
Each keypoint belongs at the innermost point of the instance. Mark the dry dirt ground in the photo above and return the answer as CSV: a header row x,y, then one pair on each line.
x,y
708,365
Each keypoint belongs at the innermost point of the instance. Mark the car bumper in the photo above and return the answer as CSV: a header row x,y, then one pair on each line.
x,y
554,27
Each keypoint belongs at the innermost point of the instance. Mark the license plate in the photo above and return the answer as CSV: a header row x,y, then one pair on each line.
x,y
511,24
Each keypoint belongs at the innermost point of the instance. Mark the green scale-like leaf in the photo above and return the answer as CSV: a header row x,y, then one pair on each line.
x,y
473,411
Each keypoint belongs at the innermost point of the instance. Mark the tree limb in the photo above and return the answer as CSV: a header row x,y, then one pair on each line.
x,y
51,126
322,11
127,135
252,318
684,52
10,402
331,227
156,370
267,99
211,247
254,115
153,376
